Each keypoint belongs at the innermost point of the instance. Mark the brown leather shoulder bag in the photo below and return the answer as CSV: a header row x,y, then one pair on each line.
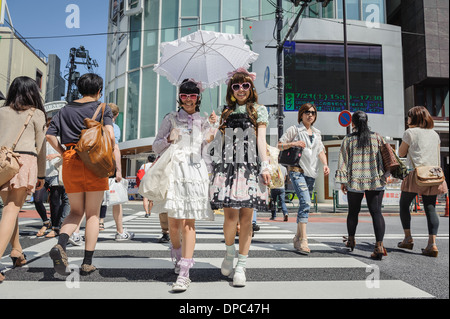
x,y
95,147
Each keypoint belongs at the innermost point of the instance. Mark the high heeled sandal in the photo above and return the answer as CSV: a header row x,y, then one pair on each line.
x,y
379,251
2,276
18,261
47,225
407,243
350,242
430,251
304,249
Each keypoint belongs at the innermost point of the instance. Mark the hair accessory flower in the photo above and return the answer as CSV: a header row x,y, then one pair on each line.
x,y
199,84
252,75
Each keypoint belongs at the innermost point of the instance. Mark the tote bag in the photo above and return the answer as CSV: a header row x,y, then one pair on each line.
x,y
155,183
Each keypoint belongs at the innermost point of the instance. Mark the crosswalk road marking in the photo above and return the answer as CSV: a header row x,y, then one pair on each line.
x,y
143,268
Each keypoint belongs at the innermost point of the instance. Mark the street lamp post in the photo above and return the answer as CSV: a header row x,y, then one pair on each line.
x,y
347,73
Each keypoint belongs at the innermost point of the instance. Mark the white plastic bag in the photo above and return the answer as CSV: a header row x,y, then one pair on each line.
x,y
117,193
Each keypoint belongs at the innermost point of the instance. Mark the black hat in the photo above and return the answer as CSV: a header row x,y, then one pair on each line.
x,y
2,97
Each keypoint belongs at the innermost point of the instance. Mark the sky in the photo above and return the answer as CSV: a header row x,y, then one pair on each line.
x,y
47,18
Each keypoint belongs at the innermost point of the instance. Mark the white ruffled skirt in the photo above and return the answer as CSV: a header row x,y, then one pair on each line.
x,y
187,195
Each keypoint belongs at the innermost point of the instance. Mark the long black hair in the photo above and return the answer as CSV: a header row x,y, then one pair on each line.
x,y
24,94
190,87
362,131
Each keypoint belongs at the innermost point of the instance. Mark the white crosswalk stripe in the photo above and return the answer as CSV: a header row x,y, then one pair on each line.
x,y
143,268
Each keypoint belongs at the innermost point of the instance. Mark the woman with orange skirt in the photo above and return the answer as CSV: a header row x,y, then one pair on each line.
x,y
84,189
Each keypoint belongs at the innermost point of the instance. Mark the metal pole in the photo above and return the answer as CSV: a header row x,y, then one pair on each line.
x,y
280,84
347,76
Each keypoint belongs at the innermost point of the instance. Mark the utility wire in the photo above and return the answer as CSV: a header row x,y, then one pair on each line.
x,y
132,31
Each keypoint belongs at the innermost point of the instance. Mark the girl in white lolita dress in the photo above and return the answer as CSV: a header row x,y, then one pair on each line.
x,y
187,196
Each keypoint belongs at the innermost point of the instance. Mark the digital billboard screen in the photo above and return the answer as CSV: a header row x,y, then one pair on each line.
x,y
315,73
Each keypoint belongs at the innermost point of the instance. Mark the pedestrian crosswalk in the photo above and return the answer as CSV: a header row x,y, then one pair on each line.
x,y
142,268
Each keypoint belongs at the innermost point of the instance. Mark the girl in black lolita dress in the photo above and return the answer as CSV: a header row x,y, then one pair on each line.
x,y
240,179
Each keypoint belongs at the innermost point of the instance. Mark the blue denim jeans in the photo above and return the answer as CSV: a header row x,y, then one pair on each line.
x,y
303,186
278,194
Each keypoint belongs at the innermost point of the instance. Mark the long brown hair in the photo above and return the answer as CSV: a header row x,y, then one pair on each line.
x,y
420,117
240,77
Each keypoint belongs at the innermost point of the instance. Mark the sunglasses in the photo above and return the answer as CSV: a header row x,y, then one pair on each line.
x,y
184,96
244,86
310,113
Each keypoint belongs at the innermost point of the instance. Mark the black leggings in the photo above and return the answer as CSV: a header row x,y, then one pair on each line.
x,y
429,203
374,200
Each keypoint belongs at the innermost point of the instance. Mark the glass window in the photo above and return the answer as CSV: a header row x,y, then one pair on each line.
x,y
120,101
169,20
250,8
148,109
328,11
211,14
167,98
314,10
188,26
189,8
132,106
267,11
230,16
352,7
373,11
135,42
151,19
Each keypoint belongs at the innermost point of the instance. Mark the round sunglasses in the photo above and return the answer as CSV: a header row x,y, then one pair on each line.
x,y
244,86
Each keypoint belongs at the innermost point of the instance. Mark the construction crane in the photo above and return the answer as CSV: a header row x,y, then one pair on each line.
x,y
78,56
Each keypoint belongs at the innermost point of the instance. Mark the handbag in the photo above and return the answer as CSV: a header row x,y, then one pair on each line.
x,y
429,176
390,162
291,156
401,171
9,160
155,183
277,180
95,147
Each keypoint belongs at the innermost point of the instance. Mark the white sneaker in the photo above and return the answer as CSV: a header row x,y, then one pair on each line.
x,y
126,235
239,278
181,284
76,239
227,266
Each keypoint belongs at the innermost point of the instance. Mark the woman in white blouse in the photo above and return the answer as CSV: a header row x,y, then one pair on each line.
x,y
303,176
422,146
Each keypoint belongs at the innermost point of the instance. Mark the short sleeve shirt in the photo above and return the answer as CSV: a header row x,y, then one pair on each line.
x,y
263,115
423,146
69,121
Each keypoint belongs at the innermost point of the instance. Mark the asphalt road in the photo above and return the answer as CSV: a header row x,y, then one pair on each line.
x,y
325,231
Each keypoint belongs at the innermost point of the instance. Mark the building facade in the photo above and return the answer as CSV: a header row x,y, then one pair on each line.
x,y
138,28
19,58
378,81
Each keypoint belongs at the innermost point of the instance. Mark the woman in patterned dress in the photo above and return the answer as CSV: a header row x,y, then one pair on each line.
x,y
240,178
